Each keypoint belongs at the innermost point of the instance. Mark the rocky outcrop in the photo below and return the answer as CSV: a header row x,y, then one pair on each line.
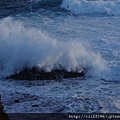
x,y
3,115
35,74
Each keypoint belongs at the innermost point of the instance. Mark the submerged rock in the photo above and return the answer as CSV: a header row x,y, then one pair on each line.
x,y
35,105
16,101
35,74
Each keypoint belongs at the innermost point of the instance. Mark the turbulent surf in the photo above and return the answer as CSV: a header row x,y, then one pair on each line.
x,y
65,37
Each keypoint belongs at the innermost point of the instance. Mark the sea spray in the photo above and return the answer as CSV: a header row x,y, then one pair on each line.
x,y
22,46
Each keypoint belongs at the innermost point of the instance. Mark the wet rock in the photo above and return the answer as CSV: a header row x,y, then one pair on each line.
x,y
3,115
35,105
100,107
16,101
35,74
1,106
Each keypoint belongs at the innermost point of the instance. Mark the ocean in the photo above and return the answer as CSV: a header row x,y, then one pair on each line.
x,y
71,33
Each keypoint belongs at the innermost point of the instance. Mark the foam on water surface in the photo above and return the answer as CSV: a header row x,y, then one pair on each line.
x,y
92,7
73,95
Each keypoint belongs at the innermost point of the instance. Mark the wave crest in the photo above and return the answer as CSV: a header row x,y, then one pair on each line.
x,y
90,7
28,47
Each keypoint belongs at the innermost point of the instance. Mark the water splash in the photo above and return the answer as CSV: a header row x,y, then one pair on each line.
x,y
22,46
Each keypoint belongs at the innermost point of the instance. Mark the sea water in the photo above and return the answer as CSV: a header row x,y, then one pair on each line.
x,y
71,33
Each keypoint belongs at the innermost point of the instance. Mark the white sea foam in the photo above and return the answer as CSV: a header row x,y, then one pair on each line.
x,y
22,46
90,7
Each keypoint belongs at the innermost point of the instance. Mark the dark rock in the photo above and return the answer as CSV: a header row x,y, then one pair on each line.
x,y
16,101
3,114
35,74
1,106
35,105
100,107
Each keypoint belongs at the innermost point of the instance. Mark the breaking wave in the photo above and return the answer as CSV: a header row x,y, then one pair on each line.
x,y
92,7
74,6
22,46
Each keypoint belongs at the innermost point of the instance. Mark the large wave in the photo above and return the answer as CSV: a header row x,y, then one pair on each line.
x,y
23,46
91,7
